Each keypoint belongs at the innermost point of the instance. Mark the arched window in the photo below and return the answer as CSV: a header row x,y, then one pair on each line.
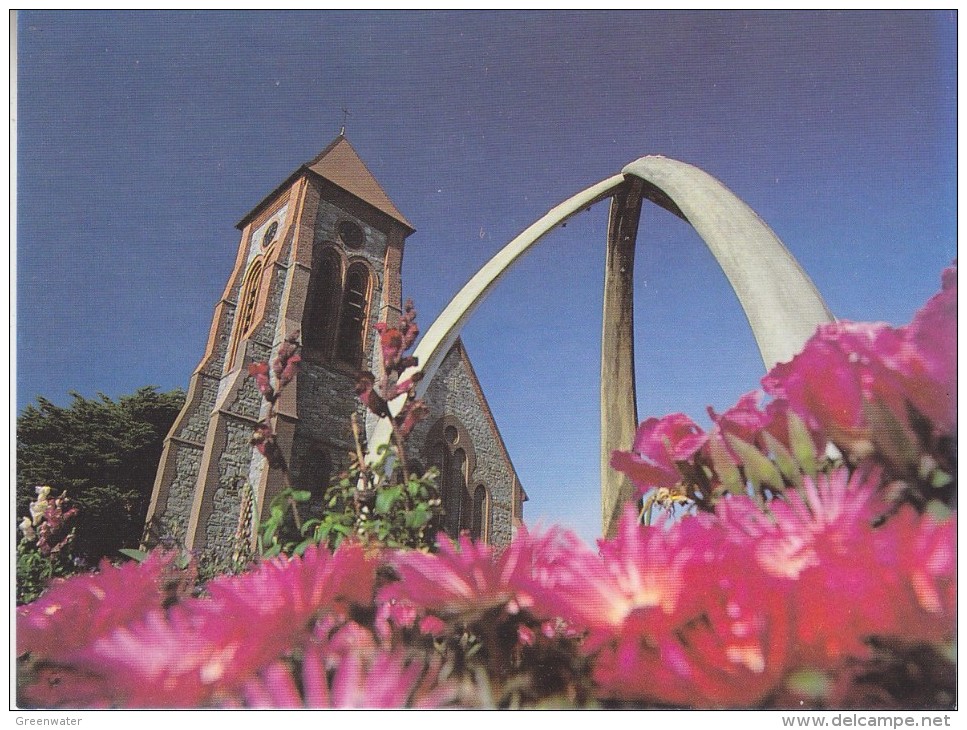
x,y
245,314
353,315
319,323
480,519
457,517
438,456
450,449
337,312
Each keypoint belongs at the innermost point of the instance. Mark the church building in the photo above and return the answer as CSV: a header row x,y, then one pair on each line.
x,y
321,254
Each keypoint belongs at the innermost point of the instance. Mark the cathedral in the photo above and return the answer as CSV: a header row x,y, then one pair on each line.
x,y
321,254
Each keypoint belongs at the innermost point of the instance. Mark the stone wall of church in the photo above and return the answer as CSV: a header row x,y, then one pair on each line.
x,y
326,396
326,400
452,392
234,465
182,491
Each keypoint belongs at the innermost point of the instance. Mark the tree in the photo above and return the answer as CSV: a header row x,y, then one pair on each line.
x,y
104,454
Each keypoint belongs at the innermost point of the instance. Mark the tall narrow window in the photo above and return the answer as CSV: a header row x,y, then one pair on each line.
x,y
479,523
319,323
450,449
245,314
439,456
352,319
457,517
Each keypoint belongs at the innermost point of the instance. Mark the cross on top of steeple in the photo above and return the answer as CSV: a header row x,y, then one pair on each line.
x,y
345,115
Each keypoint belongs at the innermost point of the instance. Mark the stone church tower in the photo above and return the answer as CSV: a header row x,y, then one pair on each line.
x,y
321,254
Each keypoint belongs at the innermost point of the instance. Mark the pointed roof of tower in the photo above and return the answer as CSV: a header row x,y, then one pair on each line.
x,y
341,165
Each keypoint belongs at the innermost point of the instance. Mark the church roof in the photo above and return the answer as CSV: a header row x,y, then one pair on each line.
x,y
341,165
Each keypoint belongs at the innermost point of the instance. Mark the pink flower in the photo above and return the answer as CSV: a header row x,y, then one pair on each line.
x,y
525,635
638,568
848,364
260,371
659,443
408,326
383,680
290,370
916,558
822,385
362,676
53,532
263,439
286,365
365,384
466,579
394,613
201,651
414,411
404,386
929,368
391,342
299,586
687,621
77,610
432,625
743,420
850,578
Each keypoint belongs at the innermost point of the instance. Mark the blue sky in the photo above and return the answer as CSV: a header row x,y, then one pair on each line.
x,y
142,138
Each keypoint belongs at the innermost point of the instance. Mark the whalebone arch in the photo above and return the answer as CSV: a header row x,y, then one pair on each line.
x,y
781,304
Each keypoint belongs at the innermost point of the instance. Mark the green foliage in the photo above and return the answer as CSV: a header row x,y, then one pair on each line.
x,y
390,511
35,571
396,510
105,454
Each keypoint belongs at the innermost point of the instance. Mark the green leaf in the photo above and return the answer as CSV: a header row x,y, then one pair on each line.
x,y
810,683
418,517
950,652
938,510
272,551
302,547
301,495
784,460
137,555
727,471
386,498
940,479
758,468
803,448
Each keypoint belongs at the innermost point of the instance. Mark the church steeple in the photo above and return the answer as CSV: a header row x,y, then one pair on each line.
x,y
320,255
340,164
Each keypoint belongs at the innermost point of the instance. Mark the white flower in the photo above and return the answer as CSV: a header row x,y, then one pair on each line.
x,y
38,507
27,527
